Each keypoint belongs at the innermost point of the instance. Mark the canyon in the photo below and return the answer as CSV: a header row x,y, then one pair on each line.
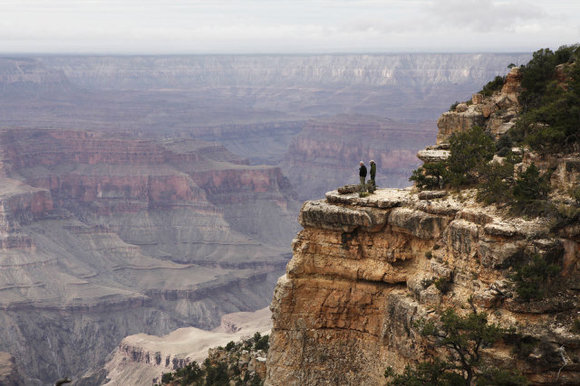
x,y
104,237
146,194
266,108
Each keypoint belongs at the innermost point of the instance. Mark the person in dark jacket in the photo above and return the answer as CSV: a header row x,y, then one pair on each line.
x,y
373,172
362,172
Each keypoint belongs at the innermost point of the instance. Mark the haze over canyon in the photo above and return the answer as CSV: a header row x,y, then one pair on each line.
x,y
141,194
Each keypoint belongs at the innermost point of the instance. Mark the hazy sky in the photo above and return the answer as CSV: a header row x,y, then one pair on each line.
x,y
285,26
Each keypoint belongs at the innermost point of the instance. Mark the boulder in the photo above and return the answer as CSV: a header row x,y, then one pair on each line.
x,y
432,194
430,156
348,189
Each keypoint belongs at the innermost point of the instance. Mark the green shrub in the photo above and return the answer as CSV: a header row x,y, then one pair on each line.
x,y
262,343
504,144
217,374
421,180
495,183
230,346
190,374
535,76
530,192
463,337
530,185
220,368
551,111
430,176
469,151
534,280
166,378
522,345
495,85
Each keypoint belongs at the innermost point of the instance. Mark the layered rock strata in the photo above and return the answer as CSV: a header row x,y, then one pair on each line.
x,y
363,272
142,359
102,237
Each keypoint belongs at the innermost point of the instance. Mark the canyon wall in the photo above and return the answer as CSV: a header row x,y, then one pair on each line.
x,y
9,374
145,72
103,237
269,109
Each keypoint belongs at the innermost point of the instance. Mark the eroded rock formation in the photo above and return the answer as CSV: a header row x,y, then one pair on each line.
x,y
363,273
497,114
142,359
104,236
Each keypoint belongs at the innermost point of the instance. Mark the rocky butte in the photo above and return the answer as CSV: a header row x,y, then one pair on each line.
x,y
365,270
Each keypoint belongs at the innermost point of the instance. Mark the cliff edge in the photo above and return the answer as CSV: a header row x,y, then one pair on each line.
x,y
366,270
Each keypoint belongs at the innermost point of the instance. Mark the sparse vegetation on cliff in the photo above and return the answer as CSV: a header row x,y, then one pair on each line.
x,y
470,151
550,120
430,175
534,280
530,191
496,182
469,165
463,338
493,86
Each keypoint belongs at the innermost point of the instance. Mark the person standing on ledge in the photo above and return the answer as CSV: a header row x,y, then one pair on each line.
x,y
373,173
362,172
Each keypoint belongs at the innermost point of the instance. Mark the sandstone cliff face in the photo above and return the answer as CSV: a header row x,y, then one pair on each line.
x,y
365,270
102,237
362,274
